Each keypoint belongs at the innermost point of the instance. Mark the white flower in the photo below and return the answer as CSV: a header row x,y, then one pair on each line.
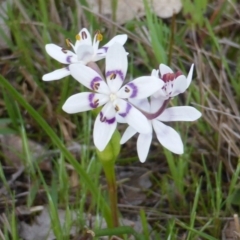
x,y
84,51
174,83
111,95
166,135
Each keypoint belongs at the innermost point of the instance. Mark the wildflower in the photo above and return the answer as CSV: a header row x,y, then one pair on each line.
x,y
156,112
166,135
111,95
84,51
174,83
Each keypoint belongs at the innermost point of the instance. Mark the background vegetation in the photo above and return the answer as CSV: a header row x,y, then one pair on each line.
x,y
193,196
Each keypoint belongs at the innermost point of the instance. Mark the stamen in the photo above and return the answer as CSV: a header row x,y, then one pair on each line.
x,y
117,108
96,86
127,90
68,42
96,103
99,36
64,50
113,76
78,37
84,35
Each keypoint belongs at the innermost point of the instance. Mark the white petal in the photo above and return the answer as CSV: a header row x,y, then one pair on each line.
x,y
85,101
143,145
85,39
60,54
141,87
164,69
56,75
116,66
98,57
155,73
142,104
104,126
168,137
132,116
85,53
120,119
184,113
161,93
189,76
179,85
129,132
121,39
89,78
156,103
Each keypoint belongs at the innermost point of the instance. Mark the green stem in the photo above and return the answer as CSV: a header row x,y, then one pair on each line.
x,y
108,157
109,171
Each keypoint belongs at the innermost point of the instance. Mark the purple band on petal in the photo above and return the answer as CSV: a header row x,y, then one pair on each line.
x,y
117,72
134,89
104,119
124,114
94,81
93,104
68,59
104,49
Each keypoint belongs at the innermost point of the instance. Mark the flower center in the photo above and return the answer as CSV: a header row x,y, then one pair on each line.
x,y
112,97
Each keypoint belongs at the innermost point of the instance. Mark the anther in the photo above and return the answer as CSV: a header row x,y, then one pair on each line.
x,y
127,90
113,76
99,36
96,86
116,108
78,37
96,103
68,42
102,119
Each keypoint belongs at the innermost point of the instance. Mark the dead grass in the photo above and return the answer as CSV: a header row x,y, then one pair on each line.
x,y
211,159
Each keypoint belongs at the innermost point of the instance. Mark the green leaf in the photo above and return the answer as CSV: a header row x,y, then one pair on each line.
x,y
59,144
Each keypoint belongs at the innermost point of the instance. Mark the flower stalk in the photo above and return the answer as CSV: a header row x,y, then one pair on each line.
x,y
108,157
109,171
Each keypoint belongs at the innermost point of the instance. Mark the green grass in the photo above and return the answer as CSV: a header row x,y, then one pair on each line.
x,y
197,191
